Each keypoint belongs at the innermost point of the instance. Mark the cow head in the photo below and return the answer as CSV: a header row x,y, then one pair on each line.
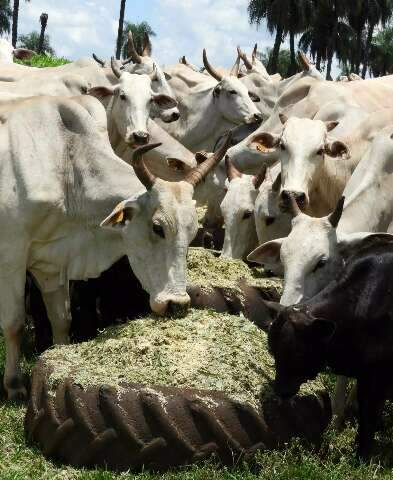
x,y
270,222
238,211
8,52
130,103
313,253
302,146
234,101
157,228
144,64
297,341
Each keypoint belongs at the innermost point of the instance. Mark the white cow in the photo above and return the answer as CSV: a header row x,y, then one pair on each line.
x,y
221,104
61,183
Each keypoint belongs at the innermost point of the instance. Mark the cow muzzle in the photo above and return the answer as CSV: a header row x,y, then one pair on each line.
x,y
285,200
170,116
255,118
172,305
138,138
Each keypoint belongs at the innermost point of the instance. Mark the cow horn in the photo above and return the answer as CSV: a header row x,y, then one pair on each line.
x,y
213,72
198,173
136,58
260,177
277,184
232,171
153,74
126,61
183,60
235,68
142,172
304,61
243,56
294,207
254,53
98,60
147,46
115,68
335,216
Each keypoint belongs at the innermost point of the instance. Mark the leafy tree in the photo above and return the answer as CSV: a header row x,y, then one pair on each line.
x,y
5,16
381,53
32,41
138,31
283,61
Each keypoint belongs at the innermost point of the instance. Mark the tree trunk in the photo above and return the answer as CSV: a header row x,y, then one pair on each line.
x,y
120,30
44,22
366,55
292,66
332,45
319,60
15,15
273,60
358,51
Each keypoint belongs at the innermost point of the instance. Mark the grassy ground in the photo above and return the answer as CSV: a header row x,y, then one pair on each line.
x,y
334,461
44,61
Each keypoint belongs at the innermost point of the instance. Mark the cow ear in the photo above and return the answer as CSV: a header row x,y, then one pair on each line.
x,y
268,253
331,125
101,92
265,142
321,329
283,118
164,101
167,76
351,243
254,97
337,149
121,216
23,53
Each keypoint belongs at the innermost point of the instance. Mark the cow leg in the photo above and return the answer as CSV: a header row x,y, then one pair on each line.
x,y
12,319
371,393
338,402
57,305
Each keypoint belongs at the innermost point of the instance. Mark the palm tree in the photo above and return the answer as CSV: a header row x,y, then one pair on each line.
x,y
32,42
15,16
138,32
5,15
381,53
283,17
120,30
44,23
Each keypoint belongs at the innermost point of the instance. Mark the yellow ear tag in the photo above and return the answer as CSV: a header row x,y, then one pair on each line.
x,y
118,218
262,148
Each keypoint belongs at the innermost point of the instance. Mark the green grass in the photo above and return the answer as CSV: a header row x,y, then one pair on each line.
x,y
335,460
41,61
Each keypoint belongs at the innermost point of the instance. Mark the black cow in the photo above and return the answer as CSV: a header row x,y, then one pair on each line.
x,y
347,327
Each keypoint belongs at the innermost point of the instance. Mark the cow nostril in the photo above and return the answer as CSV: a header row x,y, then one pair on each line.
x,y
300,197
176,309
175,116
258,117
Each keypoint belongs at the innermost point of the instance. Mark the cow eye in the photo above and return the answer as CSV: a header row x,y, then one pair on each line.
x,y
233,92
247,214
282,146
320,264
123,96
320,151
158,230
269,220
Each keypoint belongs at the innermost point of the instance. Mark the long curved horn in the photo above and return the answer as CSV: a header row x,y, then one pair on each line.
x,y
277,184
115,68
254,53
304,61
142,172
243,56
236,68
232,171
98,60
294,207
198,173
260,177
213,72
136,58
335,216
147,46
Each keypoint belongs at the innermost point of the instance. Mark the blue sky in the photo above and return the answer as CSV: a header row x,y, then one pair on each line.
x,y
184,27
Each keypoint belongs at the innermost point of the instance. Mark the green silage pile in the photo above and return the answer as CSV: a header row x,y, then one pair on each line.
x,y
204,350
208,271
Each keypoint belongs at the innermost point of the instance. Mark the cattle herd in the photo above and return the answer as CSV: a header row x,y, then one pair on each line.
x,y
102,160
